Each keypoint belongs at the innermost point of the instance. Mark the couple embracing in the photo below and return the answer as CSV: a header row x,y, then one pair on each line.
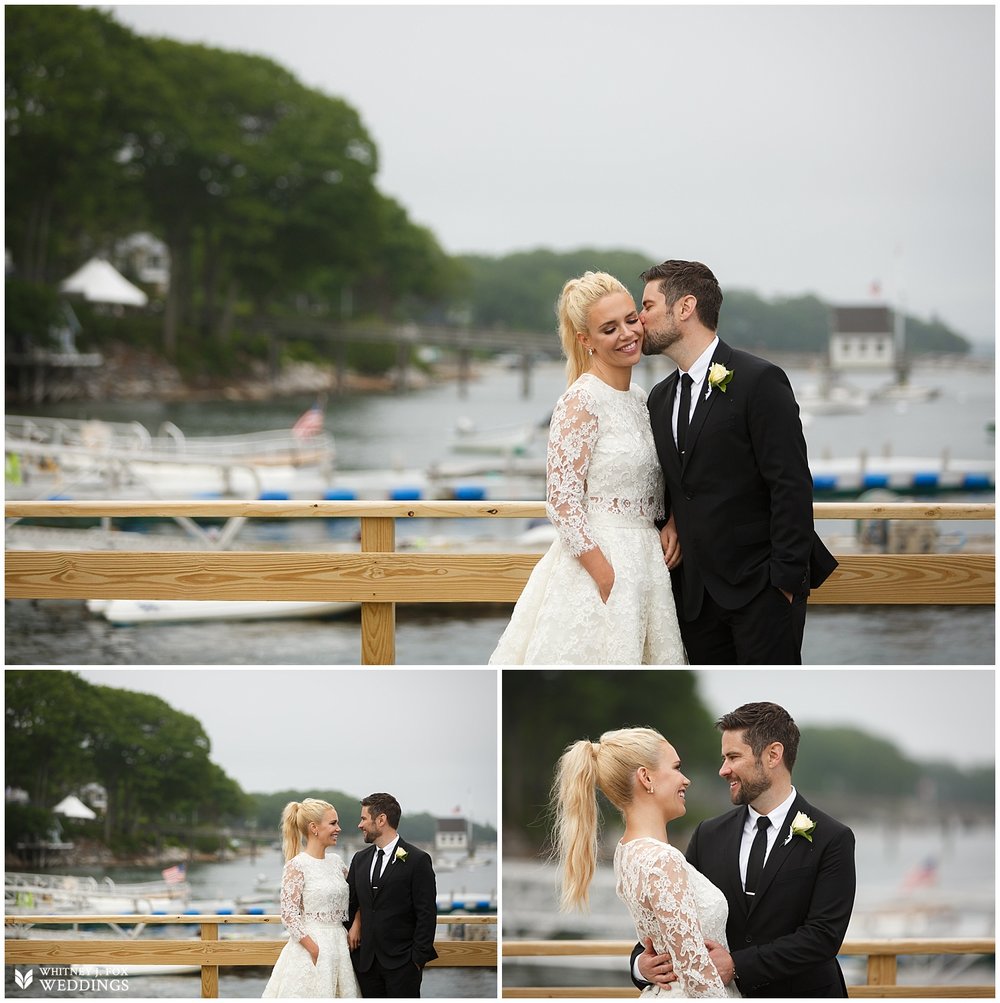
x,y
364,930
685,522
760,904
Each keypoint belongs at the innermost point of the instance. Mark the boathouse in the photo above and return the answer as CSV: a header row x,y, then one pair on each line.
x,y
862,338
453,836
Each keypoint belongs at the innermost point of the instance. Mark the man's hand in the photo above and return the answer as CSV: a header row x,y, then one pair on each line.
x,y
656,969
722,960
671,544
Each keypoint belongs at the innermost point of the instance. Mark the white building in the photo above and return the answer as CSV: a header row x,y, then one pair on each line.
x,y
453,836
862,337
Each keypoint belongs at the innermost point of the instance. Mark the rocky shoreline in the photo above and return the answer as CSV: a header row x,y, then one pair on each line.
x,y
127,373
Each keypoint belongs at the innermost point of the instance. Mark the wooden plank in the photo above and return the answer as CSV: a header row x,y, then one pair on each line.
x,y
445,509
890,579
911,579
881,970
901,945
922,992
209,953
209,973
378,620
216,509
141,952
576,992
322,577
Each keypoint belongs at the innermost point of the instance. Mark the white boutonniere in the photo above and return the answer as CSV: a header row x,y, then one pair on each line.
x,y
718,376
802,825
400,854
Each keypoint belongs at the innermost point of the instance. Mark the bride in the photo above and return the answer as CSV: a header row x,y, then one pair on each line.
x,y
316,961
670,902
601,595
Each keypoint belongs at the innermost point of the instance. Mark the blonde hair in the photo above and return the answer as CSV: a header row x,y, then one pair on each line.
x,y
610,765
573,310
295,821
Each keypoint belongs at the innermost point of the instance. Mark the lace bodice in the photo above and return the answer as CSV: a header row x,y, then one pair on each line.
x,y
601,461
676,906
313,889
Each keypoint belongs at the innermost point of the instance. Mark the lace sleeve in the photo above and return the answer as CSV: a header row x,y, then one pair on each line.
x,y
670,897
572,434
292,884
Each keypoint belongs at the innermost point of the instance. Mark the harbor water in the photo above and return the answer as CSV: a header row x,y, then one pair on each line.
x,y
418,428
225,881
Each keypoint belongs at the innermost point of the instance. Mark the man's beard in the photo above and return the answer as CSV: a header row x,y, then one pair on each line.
x,y
752,788
370,837
656,342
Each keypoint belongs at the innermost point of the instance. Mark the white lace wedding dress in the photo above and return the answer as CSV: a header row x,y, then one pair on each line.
x,y
604,488
678,908
314,898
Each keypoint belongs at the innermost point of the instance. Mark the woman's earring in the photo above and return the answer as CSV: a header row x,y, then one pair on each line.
x,y
590,351
650,789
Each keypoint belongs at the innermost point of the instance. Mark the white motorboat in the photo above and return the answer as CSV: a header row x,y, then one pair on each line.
x,y
125,612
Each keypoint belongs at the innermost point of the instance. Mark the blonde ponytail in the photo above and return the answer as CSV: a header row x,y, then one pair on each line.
x,y
585,766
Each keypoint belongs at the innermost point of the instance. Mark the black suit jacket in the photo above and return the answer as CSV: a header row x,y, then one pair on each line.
x,y
742,495
398,923
784,943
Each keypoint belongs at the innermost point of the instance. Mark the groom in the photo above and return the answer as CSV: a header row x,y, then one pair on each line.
x,y
392,887
786,869
738,486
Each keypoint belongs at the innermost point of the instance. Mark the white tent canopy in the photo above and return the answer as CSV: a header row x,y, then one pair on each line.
x,y
72,807
100,282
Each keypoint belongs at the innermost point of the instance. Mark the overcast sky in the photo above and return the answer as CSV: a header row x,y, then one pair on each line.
x,y
931,714
794,149
431,739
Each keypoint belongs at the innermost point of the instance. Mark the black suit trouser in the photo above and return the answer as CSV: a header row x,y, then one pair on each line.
x,y
767,631
391,983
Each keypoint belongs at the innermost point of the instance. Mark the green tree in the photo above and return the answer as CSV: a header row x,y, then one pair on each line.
x,y
68,93
47,736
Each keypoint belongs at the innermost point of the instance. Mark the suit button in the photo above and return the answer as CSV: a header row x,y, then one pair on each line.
x,y
749,939
688,495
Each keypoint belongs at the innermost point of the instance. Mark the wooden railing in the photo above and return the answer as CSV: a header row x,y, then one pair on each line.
x,y
881,982
379,577
208,952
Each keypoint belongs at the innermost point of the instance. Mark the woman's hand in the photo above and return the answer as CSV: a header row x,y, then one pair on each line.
x,y
354,934
599,568
312,947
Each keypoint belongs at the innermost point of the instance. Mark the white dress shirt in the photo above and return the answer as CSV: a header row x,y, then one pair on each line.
x,y
777,819
389,849
697,372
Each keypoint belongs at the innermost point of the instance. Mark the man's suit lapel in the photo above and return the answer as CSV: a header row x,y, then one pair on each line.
x,y
721,354
733,836
667,418
365,860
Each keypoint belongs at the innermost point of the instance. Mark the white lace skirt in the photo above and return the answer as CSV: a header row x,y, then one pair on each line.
x,y
560,619
296,977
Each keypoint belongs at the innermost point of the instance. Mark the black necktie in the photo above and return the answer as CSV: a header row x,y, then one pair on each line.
x,y
684,413
756,862
377,872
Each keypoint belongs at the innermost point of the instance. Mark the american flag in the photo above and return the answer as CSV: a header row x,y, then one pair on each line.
x,y
922,876
311,423
174,875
